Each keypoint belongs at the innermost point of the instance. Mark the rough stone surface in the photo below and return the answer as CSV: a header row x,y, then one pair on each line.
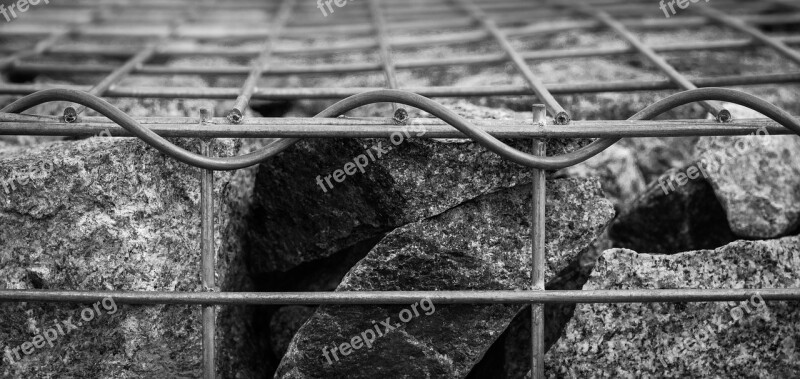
x,y
678,340
515,344
481,244
285,323
757,180
656,155
619,174
686,218
102,214
240,348
296,221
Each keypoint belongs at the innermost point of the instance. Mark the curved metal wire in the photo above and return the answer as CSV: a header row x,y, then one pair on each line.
x,y
411,99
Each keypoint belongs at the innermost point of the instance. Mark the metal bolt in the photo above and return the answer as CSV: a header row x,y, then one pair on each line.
x,y
70,115
235,116
724,116
205,116
400,116
539,114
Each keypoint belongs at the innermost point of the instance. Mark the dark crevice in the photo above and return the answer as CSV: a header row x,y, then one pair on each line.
x,y
791,27
272,108
509,355
688,218
320,275
16,77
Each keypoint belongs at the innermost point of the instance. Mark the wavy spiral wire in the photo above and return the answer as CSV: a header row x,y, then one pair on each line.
x,y
411,99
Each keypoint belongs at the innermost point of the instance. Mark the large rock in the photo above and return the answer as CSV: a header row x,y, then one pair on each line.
x,y
103,214
295,221
514,347
725,339
482,244
757,180
754,191
284,324
299,218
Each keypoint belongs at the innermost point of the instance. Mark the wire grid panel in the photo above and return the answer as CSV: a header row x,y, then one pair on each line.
x,y
150,31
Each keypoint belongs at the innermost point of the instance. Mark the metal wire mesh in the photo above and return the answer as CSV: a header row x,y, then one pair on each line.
x,y
141,34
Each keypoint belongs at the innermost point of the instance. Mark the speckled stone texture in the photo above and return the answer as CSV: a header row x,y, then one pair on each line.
x,y
757,180
111,214
619,174
295,221
285,323
686,218
655,155
509,356
481,244
679,340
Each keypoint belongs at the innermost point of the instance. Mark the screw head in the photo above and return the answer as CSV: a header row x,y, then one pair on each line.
x,y
562,118
724,116
400,116
70,115
235,116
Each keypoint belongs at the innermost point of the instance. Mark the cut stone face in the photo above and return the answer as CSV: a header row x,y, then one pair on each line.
x,y
302,213
727,339
112,214
757,181
483,244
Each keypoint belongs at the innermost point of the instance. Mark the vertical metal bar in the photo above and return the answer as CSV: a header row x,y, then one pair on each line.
x,y
537,249
741,26
560,116
720,113
236,114
207,259
379,23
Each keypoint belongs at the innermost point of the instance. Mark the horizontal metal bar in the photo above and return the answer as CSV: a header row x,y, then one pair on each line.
x,y
542,93
39,48
787,3
354,18
340,93
411,99
400,41
651,55
258,64
249,5
542,28
739,24
351,22
393,9
13,124
66,68
401,297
